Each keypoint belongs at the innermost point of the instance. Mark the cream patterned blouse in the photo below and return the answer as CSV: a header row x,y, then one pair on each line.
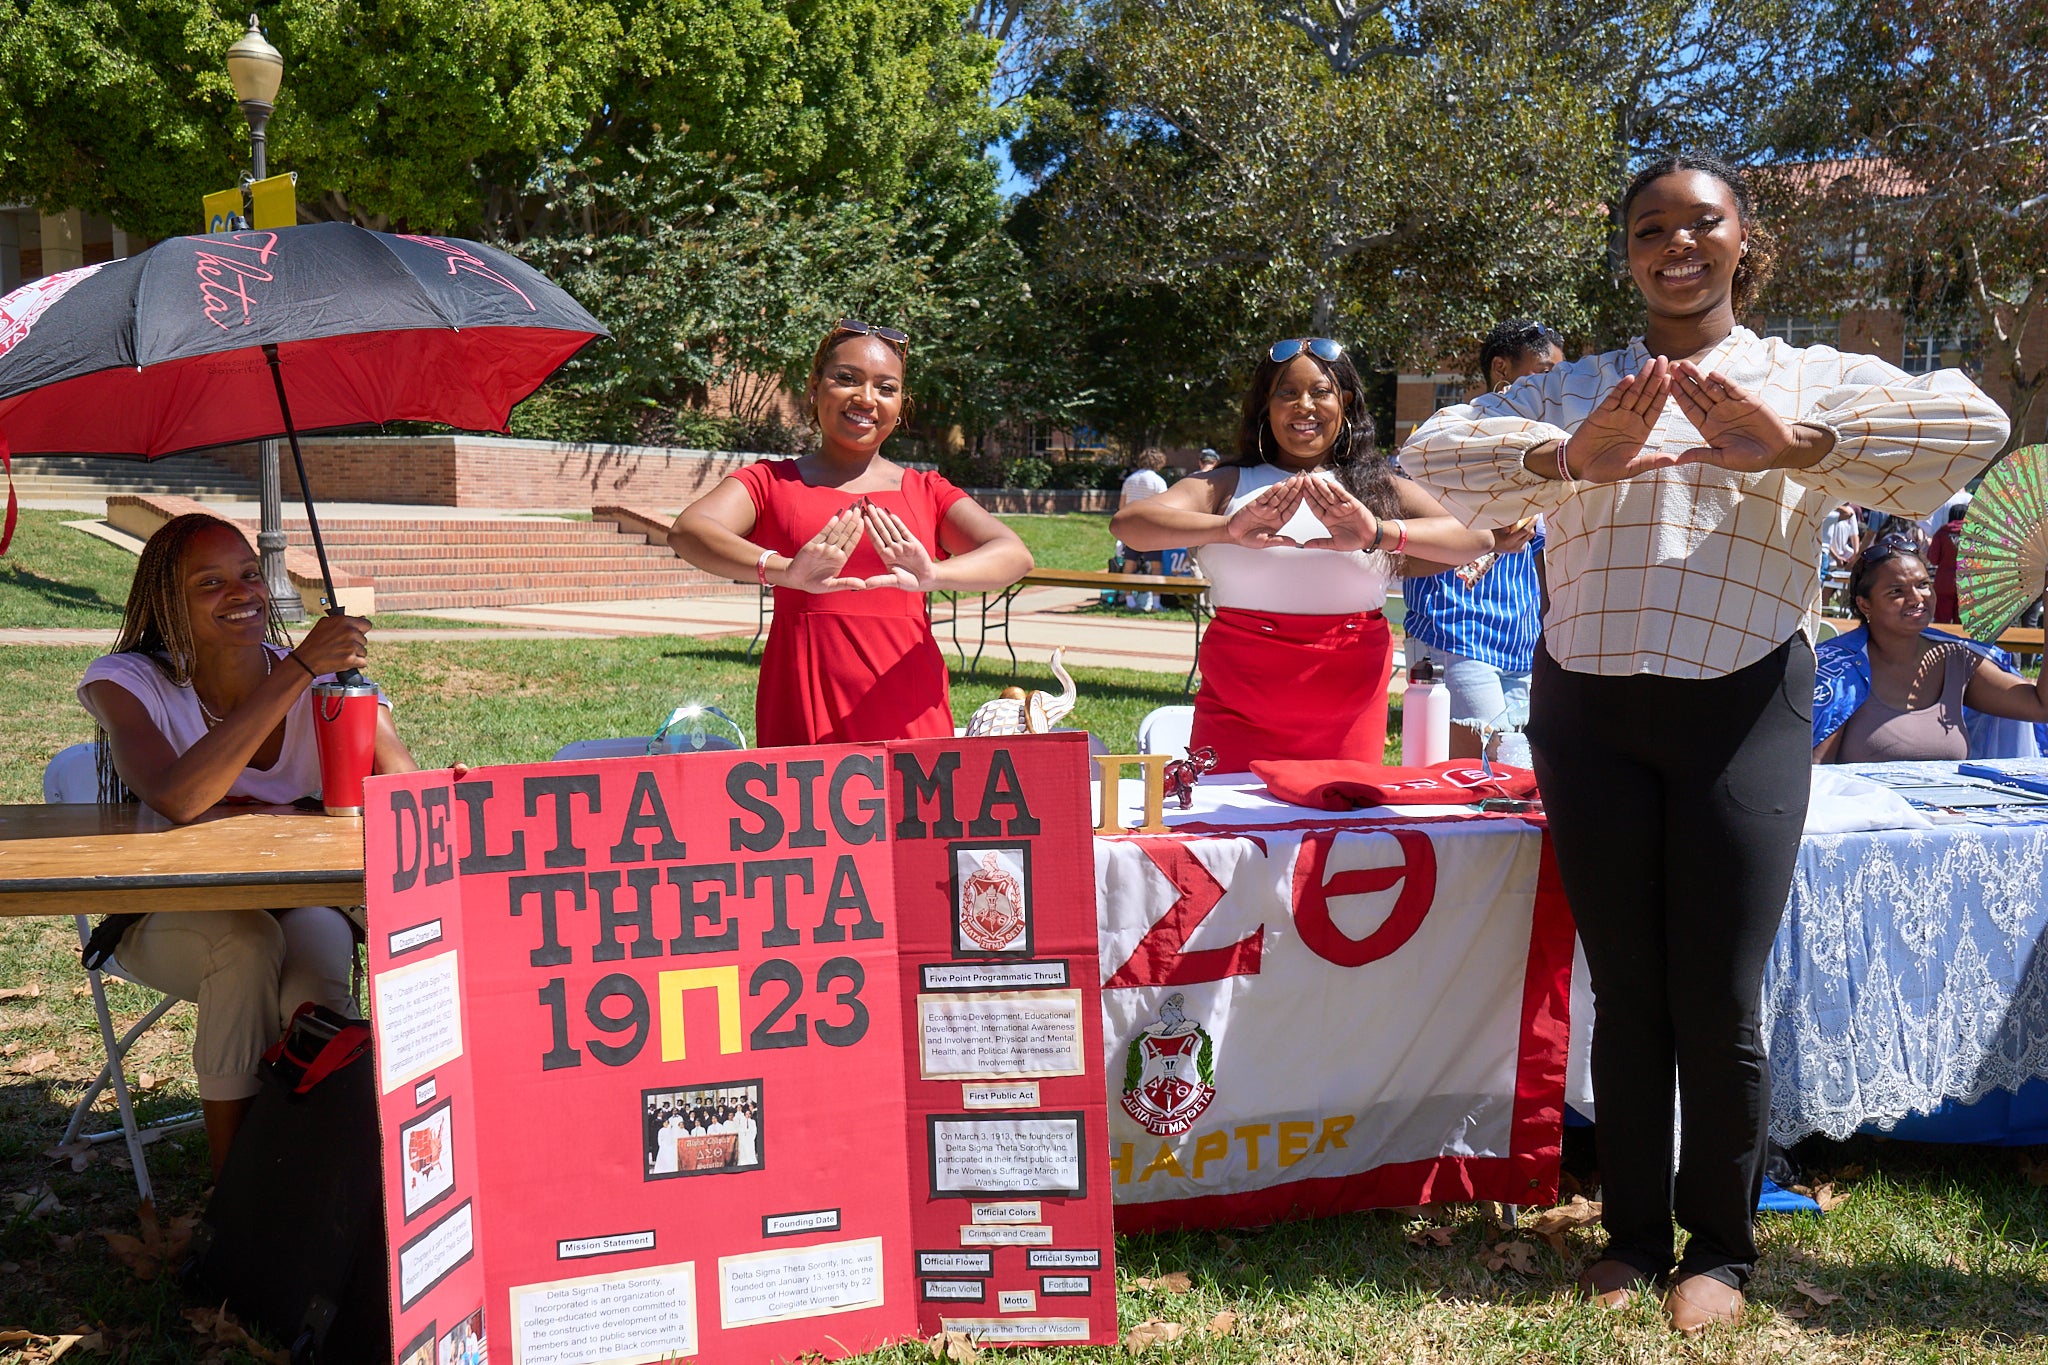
x,y
1694,571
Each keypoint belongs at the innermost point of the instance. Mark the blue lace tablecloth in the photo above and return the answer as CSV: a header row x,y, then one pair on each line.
x,y
1910,970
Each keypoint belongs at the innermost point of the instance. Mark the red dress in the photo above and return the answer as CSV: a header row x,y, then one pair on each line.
x,y
843,667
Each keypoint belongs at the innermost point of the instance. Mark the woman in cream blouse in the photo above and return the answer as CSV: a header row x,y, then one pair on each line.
x,y
1684,479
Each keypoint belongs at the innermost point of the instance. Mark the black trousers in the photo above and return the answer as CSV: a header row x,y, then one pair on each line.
x,y
1675,808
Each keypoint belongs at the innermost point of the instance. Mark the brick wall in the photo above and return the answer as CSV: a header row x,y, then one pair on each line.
x,y
490,471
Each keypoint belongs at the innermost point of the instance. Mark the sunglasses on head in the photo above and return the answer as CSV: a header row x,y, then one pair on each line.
x,y
1322,348
855,327
1889,547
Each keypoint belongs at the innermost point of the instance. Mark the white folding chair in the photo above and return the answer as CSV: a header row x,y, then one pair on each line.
x,y
1165,730
71,777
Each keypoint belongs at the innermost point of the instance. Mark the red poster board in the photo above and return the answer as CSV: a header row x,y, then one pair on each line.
x,y
740,1055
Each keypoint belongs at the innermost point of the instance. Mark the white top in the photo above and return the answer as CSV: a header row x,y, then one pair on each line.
x,y
1842,535
1287,581
1694,571
174,711
1143,484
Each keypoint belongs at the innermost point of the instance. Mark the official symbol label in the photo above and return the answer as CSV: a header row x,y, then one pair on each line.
x,y
1170,1071
992,902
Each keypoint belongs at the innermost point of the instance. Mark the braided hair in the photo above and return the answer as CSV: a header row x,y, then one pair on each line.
x,y
1754,267
156,624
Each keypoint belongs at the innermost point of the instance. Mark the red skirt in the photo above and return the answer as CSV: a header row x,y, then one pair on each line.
x,y
838,677
1293,687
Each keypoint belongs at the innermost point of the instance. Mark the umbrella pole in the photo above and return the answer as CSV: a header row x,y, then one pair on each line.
x,y
284,409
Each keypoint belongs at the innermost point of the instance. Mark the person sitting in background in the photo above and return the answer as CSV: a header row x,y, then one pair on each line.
x,y
1895,689
1480,629
1841,538
1941,559
1145,481
1300,537
1208,460
202,701
851,543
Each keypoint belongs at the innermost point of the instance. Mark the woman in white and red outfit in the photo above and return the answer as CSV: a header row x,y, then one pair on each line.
x,y
1302,535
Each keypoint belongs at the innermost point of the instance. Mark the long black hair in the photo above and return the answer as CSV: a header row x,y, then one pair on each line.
x,y
1365,473
1754,267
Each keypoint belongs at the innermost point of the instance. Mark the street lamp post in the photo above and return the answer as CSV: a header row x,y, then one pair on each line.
x,y
256,69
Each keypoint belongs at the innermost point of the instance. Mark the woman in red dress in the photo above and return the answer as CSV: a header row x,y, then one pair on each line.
x,y
851,543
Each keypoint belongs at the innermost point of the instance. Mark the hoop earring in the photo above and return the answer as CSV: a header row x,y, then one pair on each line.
x,y
1263,456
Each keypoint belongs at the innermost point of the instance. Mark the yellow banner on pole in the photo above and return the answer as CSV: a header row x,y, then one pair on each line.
x,y
221,206
273,203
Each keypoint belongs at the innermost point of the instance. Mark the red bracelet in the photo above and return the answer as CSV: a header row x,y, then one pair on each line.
x,y
761,566
1564,468
1401,539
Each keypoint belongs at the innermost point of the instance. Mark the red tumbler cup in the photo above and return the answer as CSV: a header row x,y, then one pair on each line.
x,y
345,726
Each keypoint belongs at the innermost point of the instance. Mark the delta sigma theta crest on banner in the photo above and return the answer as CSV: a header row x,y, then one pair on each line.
x,y
1169,1071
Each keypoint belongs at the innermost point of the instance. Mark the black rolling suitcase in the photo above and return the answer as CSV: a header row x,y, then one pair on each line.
x,y
293,1238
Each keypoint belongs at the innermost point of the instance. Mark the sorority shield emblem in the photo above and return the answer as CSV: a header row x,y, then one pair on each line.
x,y
1170,1071
992,910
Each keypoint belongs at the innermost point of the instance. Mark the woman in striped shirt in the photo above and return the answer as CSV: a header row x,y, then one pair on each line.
x,y
1684,479
1478,623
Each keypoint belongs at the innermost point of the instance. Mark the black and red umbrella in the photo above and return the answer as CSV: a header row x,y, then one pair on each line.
x,y
244,336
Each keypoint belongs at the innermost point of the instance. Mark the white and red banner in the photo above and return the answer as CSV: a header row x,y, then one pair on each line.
x,y
1332,1013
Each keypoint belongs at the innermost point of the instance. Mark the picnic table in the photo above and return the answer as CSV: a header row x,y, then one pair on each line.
x,y
93,860
1166,585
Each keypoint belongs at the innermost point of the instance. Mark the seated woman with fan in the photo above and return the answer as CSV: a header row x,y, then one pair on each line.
x,y
1895,689
200,703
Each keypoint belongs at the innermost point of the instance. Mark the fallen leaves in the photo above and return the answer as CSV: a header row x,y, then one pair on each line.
x,y
217,1324
35,1203
1519,1257
956,1347
2036,1172
1223,1324
1152,1332
1821,1297
37,1062
32,991
1431,1237
157,1249
1172,1282
37,1349
1552,1224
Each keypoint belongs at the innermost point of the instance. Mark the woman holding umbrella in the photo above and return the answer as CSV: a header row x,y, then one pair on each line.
x,y
851,542
202,702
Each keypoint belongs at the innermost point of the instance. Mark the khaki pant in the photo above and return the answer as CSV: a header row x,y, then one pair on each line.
x,y
248,971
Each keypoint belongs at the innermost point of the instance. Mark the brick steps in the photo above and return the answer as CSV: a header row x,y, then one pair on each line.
x,y
67,476
436,564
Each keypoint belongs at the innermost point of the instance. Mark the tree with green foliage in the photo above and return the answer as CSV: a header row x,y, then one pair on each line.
x,y
429,115
1935,201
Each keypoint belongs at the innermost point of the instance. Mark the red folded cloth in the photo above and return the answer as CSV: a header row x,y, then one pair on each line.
x,y
1345,784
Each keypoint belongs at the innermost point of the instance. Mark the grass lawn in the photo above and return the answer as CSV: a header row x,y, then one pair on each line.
x,y
1932,1255
1066,540
55,576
